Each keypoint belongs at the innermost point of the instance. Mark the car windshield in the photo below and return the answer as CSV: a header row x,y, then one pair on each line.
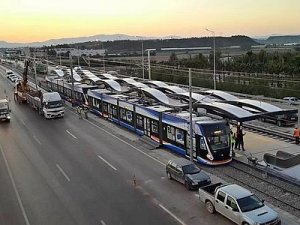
x,y
249,203
54,104
190,169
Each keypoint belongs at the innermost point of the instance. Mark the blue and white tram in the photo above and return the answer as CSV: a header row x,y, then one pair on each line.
x,y
211,138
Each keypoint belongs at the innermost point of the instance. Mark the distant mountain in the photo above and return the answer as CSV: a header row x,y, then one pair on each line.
x,y
100,37
282,39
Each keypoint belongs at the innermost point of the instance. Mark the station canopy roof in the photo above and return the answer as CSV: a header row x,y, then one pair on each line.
x,y
260,106
228,111
162,97
221,95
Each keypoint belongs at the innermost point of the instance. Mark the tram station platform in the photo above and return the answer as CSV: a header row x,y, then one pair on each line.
x,y
259,149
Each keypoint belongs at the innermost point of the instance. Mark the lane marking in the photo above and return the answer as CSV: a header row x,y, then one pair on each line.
x,y
171,214
102,222
22,121
135,148
15,187
63,173
107,162
37,140
71,134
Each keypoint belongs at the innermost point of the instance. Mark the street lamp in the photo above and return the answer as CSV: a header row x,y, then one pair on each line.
x,y
214,46
149,67
143,59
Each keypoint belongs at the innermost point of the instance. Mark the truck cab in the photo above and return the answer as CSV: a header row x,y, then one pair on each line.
x,y
4,110
52,105
237,204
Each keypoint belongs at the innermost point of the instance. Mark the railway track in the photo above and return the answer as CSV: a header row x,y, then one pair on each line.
x,y
280,193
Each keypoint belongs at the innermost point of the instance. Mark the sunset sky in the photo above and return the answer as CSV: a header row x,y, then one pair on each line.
x,y
40,20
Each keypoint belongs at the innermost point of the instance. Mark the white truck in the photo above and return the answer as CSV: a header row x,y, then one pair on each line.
x,y
4,110
237,204
48,104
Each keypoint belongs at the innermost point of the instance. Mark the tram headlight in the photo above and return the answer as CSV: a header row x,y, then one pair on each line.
x,y
209,156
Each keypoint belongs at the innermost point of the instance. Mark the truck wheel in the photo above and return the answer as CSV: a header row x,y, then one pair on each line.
x,y
210,207
169,176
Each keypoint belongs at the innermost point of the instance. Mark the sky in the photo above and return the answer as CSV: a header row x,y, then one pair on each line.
x,y
39,20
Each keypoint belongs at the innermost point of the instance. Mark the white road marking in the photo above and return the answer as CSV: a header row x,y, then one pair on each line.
x,y
107,162
102,222
63,172
15,187
171,214
71,134
37,140
147,181
22,121
197,195
135,148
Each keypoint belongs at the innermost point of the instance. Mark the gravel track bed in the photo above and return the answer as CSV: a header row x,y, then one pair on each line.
x,y
284,195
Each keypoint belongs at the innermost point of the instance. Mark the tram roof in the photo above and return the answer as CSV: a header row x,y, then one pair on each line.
x,y
228,111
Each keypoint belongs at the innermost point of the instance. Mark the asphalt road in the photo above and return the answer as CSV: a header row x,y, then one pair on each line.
x,y
71,171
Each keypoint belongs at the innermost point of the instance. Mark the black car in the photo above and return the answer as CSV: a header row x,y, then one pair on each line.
x,y
187,172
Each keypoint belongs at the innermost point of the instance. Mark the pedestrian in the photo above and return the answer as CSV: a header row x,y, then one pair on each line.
x,y
240,138
296,135
232,139
79,110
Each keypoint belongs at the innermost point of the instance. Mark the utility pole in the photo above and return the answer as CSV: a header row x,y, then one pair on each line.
x,y
78,55
191,115
143,59
34,68
149,66
71,69
214,47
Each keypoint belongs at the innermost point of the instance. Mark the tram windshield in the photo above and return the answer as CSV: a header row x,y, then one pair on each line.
x,y
217,135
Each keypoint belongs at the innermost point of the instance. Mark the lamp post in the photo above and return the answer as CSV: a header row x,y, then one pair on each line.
x,y
149,66
143,59
214,47
191,116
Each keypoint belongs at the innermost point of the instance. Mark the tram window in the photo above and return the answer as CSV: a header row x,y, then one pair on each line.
x,y
122,114
202,143
179,136
139,121
129,116
170,133
154,127
105,107
114,111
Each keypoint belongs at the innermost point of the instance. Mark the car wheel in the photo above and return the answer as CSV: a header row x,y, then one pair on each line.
x,y
169,176
210,207
245,223
187,185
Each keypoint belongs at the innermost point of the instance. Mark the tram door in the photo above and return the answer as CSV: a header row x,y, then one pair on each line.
x,y
147,125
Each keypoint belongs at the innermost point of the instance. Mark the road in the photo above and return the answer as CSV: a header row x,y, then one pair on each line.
x,y
71,171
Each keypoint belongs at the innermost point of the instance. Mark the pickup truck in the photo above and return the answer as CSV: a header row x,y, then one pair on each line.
x,y
237,204
48,104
